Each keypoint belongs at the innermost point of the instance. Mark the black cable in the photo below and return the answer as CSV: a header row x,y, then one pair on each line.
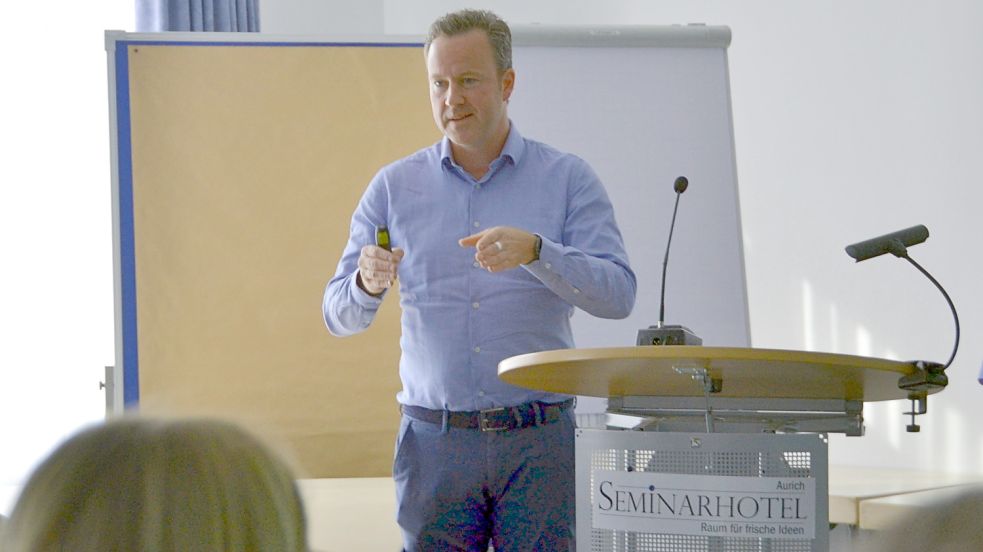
x,y
947,299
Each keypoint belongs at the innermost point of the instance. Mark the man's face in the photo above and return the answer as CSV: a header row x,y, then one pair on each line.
x,y
467,94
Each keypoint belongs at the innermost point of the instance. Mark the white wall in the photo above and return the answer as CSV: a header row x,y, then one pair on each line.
x,y
852,119
56,285
321,17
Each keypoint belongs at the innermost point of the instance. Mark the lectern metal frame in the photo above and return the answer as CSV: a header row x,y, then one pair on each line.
x,y
762,403
724,454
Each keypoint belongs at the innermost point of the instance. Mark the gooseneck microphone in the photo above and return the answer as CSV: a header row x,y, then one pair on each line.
x,y
928,376
897,244
661,334
679,186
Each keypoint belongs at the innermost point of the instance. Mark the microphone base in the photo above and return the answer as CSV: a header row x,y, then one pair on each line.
x,y
667,334
928,377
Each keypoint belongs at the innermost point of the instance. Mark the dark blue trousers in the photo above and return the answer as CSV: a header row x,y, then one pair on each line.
x,y
461,489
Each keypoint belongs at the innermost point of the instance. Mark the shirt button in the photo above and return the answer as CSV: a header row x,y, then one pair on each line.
x,y
549,265
576,291
475,264
477,349
481,393
477,224
476,304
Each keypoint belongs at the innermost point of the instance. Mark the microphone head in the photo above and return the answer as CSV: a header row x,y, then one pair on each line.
x,y
895,243
680,184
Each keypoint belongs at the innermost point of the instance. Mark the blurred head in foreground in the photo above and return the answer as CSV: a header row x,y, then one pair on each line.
x,y
953,525
159,485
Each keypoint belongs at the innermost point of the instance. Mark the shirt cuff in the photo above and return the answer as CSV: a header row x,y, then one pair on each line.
x,y
549,254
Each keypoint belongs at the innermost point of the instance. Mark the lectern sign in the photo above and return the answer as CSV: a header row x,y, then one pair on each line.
x,y
707,505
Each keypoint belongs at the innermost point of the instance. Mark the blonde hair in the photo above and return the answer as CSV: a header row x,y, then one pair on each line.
x,y
157,486
952,525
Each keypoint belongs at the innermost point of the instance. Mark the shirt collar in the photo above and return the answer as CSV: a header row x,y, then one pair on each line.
x,y
515,146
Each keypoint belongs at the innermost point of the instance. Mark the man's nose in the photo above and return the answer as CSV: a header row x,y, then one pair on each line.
x,y
455,95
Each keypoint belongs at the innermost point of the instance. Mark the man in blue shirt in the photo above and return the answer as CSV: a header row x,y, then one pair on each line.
x,y
497,238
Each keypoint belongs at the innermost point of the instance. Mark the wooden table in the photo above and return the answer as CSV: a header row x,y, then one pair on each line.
x,y
345,514
743,372
875,498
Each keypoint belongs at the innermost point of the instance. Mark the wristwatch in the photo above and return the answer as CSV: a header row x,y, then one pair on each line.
x,y
537,248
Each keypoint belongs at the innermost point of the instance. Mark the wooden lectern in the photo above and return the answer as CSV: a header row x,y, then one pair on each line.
x,y
713,448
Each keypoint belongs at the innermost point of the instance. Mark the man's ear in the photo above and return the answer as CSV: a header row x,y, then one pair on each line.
x,y
508,82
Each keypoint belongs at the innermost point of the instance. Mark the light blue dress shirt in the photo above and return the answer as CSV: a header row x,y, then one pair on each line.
x,y
459,320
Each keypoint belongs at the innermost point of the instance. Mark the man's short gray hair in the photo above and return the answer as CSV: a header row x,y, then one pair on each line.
x,y
460,22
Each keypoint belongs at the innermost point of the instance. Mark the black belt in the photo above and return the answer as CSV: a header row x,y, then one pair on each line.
x,y
493,419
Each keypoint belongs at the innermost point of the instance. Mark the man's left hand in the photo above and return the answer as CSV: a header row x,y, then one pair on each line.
x,y
501,248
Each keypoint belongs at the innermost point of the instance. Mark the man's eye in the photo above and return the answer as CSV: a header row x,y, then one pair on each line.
x,y
438,84
470,81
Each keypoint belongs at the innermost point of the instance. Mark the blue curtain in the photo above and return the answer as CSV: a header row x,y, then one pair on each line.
x,y
197,15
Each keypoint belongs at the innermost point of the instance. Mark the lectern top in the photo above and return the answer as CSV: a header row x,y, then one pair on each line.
x,y
661,371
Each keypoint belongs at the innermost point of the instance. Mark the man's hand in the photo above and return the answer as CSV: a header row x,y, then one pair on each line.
x,y
377,269
501,248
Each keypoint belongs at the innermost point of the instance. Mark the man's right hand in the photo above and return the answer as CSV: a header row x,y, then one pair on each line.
x,y
377,269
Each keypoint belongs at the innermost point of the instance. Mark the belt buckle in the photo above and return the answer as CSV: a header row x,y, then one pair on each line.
x,y
483,420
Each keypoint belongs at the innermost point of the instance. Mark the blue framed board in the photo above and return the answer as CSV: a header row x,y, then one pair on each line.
x,y
237,163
